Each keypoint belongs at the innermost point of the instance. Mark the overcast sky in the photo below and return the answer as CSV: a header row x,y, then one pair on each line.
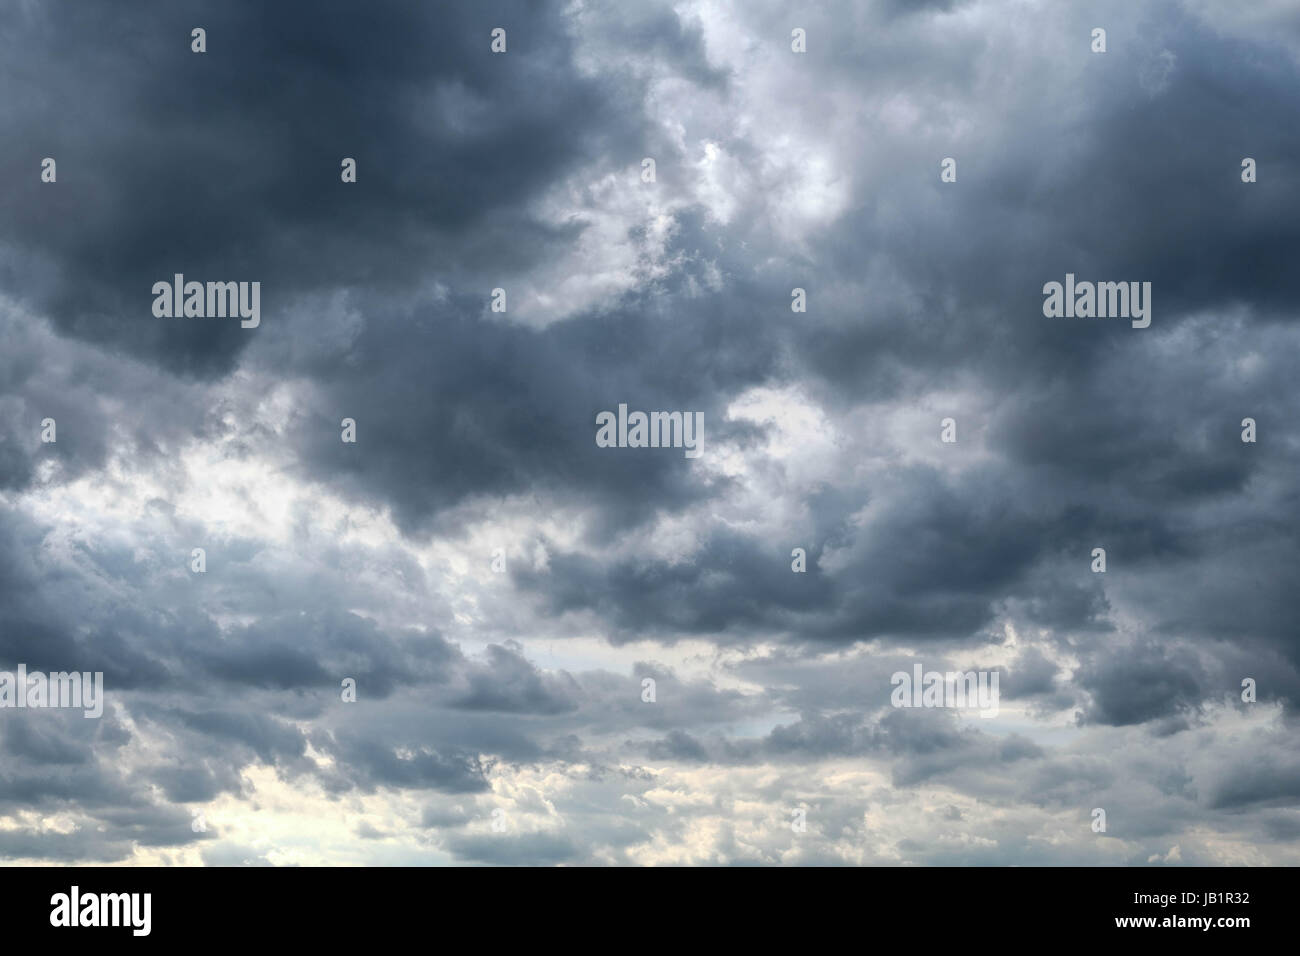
x,y
225,738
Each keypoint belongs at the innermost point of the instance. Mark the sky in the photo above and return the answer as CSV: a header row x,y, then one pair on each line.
x,y
569,654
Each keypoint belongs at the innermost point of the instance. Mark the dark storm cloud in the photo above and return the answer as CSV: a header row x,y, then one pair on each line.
x,y
93,398
163,638
1127,433
508,406
1056,194
57,762
38,744
663,38
49,635
678,745
225,165
67,848
311,650
1132,685
507,683
450,408
375,761
920,744
733,582
1252,782
936,564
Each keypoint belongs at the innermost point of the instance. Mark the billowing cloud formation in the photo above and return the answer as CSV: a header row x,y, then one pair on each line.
x,y
564,653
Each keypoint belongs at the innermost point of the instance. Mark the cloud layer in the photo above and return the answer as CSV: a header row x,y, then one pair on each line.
x,y
501,589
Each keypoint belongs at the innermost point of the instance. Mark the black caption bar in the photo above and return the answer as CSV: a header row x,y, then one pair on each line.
x,y
333,906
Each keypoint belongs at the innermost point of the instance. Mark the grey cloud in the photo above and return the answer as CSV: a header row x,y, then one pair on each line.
x,y
774,171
